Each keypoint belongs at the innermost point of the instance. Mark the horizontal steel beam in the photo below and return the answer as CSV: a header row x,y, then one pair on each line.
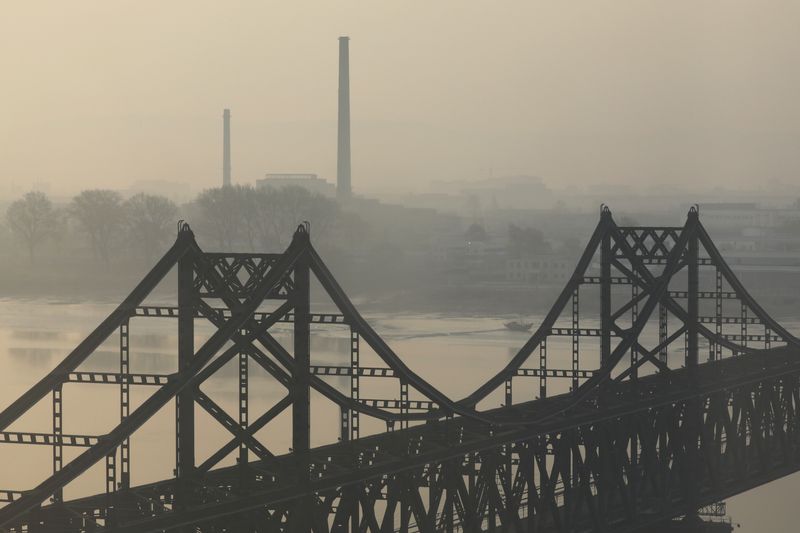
x,y
111,378
416,405
166,311
729,320
369,372
615,280
8,496
242,255
751,338
705,295
47,439
662,260
555,373
581,332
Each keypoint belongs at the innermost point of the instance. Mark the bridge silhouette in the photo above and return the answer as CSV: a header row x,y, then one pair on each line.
x,y
643,433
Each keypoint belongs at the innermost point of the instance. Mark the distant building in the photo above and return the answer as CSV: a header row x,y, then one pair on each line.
x,y
540,269
310,182
742,216
483,198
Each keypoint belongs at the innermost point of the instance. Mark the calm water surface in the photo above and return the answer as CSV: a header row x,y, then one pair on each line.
x,y
456,354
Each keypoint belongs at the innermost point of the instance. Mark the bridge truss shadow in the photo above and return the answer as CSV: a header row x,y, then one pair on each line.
x,y
642,436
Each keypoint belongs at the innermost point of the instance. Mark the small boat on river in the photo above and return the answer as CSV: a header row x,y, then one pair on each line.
x,y
519,326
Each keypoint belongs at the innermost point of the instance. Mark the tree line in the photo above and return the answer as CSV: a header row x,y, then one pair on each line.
x,y
227,218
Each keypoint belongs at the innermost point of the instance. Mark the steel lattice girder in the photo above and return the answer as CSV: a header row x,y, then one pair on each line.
x,y
580,465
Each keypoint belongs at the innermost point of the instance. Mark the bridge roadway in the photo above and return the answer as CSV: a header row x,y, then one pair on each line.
x,y
751,440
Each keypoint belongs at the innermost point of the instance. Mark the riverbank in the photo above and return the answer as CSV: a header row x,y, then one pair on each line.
x,y
73,280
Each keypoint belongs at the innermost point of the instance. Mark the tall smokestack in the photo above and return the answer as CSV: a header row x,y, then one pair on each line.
x,y
226,148
343,154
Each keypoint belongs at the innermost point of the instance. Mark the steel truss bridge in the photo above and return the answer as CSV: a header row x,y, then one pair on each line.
x,y
644,431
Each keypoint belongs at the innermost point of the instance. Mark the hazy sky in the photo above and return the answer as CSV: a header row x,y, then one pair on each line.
x,y
104,93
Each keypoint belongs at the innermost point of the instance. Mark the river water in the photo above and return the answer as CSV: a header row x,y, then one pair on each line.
x,y
455,353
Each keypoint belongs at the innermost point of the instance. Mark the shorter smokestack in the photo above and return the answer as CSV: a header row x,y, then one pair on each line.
x,y
343,153
226,148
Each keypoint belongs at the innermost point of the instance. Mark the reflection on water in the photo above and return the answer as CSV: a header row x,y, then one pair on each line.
x,y
33,356
455,354
38,335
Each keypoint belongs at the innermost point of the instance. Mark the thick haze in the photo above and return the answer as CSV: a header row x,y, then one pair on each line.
x,y
108,93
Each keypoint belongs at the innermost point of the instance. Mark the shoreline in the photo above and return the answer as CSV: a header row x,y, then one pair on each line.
x,y
496,301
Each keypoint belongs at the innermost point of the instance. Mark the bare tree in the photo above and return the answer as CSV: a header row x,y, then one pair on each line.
x,y
280,211
33,220
220,214
261,217
100,215
150,221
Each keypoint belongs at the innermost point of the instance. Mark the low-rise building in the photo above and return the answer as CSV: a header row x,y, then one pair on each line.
x,y
310,182
543,269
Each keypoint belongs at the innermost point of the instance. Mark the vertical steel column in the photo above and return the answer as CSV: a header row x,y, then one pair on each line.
x,y
605,298
576,348
58,429
111,473
767,337
663,332
403,402
301,407
344,424
635,474
717,354
686,345
111,488
509,396
693,287
244,397
184,401
354,381
634,318
543,368
744,325
124,402
301,380
694,407
355,516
